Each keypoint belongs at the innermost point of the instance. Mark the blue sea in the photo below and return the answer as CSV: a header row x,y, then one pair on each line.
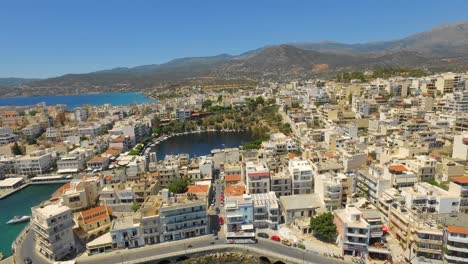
x,y
73,101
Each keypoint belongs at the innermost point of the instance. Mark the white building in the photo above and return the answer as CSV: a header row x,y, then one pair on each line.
x,y
38,162
53,223
182,216
6,136
460,146
265,210
125,233
424,167
238,223
301,174
424,197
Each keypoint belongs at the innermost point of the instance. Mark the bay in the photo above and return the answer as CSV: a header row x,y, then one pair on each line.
x,y
20,203
73,101
200,144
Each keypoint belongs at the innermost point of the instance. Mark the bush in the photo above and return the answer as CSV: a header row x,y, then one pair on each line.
x,y
179,186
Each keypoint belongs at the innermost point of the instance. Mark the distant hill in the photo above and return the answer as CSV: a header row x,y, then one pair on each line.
x,y
15,81
441,48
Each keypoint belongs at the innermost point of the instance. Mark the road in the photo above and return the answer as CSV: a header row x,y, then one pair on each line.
x,y
155,252
26,248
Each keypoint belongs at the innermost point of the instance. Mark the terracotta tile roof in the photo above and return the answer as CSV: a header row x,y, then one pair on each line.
x,y
457,229
259,174
61,190
108,178
198,189
94,210
118,140
113,152
233,178
329,154
460,179
235,190
97,159
398,168
291,155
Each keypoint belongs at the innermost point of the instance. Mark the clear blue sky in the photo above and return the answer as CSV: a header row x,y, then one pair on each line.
x,y
42,38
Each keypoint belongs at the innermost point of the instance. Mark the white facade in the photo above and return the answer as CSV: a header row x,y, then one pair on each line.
x,y
126,234
53,225
460,146
424,197
258,177
265,210
302,176
6,136
38,162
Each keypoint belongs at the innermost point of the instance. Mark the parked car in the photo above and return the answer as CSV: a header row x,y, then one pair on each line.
x,y
27,260
286,242
264,235
217,210
221,220
276,238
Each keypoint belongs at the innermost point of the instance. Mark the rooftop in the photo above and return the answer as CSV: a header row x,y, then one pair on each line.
x,y
295,202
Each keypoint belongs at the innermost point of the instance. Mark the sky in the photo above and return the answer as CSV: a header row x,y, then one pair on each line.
x,y
47,38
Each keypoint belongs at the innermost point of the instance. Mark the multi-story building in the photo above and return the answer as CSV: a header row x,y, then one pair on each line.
x,y
167,174
182,216
148,215
460,146
265,210
82,193
456,239
38,162
258,177
297,207
118,197
239,219
372,182
94,222
52,223
281,182
329,188
418,234
99,163
125,233
301,175
459,187
424,197
359,230
424,167
400,176
6,136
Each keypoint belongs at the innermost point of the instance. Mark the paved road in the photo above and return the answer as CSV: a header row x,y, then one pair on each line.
x,y
26,248
181,247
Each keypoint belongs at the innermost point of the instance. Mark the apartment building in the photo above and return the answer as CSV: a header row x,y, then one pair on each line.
x,y
301,176
239,219
167,174
460,146
72,163
424,167
258,177
118,197
6,136
372,182
400,176
182,216
281,182
266,212
99,163
418,233
148,215
458,187
456,239
82,193
301,206
447,169
125,233
52,223
359,231
38,162
329,188
424,197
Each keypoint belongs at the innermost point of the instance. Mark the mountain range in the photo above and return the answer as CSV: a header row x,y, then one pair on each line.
x,y
438,49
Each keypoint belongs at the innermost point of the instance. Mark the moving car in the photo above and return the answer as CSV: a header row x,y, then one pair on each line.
x,y
264,235
276,238
286,242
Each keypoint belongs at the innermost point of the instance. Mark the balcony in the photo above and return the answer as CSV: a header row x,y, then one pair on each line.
x,y
457,239
455,259
434,240
460,247
428,250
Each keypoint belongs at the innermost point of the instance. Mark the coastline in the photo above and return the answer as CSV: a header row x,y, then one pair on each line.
x,y
3,196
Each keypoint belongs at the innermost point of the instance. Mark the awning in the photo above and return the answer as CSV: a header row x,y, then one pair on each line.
x,y
67,171
378,250
247,227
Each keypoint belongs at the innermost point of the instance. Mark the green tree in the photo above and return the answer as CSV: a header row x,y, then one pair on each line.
x,y
260,100
16,149
179,186
323,227
220,98
135,207
207,103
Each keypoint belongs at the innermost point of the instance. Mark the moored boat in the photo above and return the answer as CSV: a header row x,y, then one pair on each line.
x,y
18,219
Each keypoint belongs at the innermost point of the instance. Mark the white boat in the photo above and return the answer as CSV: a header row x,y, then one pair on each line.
x,y
19,219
